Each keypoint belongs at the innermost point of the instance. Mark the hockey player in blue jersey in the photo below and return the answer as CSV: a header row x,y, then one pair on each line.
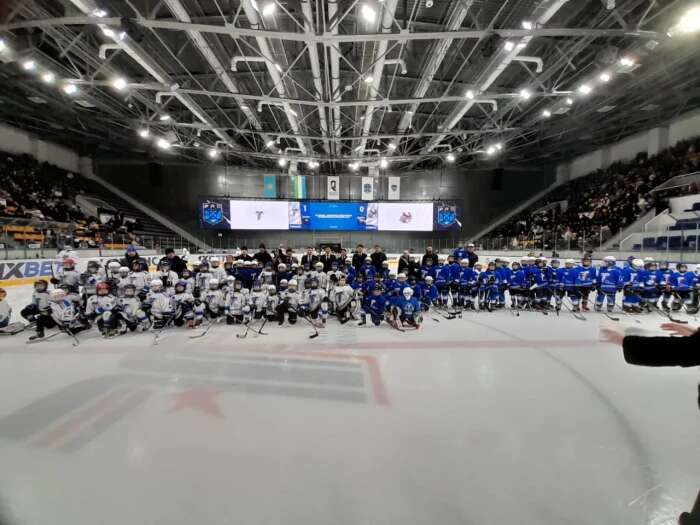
x,y
517,286
683,284
585,281
454,270
367,269
664,277
375,307
443,281
428,269
427,293
407,311
630,286
609,282
488,287
648,284
467,285
504,273
567,284
695,294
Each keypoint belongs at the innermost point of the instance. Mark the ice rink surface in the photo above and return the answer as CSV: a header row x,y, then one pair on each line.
x,y
488,419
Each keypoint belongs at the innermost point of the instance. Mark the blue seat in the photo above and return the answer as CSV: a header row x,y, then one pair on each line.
x,y
674,242
649,243
661,243
690,243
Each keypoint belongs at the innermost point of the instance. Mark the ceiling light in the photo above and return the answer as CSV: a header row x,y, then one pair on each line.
x,y
509,46
690,21
293,112
269,144
392,146
70,89
626,61
213,153
546,113
521,45
163,144
119,83
144,133
48,77
569,101
108,31
469,94
269,9
491,150
525,94
527,24
368,13
122,35
369,79
354,166
282,162
29,65
278,67
604,77
585,89
99,13
3,45
164,117
383,163
498,146
450,157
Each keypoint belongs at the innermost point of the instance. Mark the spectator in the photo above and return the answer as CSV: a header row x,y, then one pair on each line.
x,y
132,256
429,255
309,259
358,258
263,257
327,258
471,255
343,255
244,256
378,257
404,262
176,263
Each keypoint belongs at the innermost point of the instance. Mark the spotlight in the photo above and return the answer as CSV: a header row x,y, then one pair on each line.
x,y
383,163
29,65
48,77
626,62
585,89
521,45
282,162
213,153
604,77
368,79
428,3
122,35
278,67
525,94
546,113
690,21
144,133
99,13
499,146
368,13
163,144
269,144
392,146
527,24
509,46
3,45
469,94
70,89
450,157
269,9
119,83
108,31
164,117
354,166
293,112
490,150
569,101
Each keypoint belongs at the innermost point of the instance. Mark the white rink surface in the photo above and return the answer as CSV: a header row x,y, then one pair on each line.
x,y
490,419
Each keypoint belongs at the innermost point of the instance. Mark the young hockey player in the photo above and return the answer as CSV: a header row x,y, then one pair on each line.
x,y
503,272
158,305
630,285
257,300
102,308
649,290
201,280
375,307
609,282
695,294
213,300
166,275
443,281
568,277
664,276
89,280
314,301
489,286
130,312
123,280
185,310
272,301
63,313
282,273
236,304
367,269
428,294
289,299
68,278
37,311
140,278
683,283
343,297
5,310
188,279
217,272
407,311
585,281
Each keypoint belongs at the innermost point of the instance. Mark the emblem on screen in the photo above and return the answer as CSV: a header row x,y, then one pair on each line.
x,y
367,188
259,213
212,212
406,217
447,216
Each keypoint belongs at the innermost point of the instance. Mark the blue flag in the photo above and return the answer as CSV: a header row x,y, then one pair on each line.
x,y
270,186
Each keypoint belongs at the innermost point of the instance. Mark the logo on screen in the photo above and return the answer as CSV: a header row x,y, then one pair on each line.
x,y
367,188
394,187
446,216
406,217
212,212
259,214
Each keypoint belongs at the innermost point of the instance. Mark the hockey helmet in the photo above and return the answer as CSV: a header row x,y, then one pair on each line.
x,y
281,267
68,264
271,289
57,295
401,277
41,285
407,292
637,264
429,279
102,288
129,290
123,271
156,285
213,284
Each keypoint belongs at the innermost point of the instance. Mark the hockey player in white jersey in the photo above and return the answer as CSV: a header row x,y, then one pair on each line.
x,y
217,272
320,276
257,300
299,276
101,308
288,303
140,279
131,313
64,313
236,304
343,297
184,306
89,279
314,302
213,300
201,279
166,275
123,281
228,285
158,304
112,270
68,278
186,276
37,311
271,303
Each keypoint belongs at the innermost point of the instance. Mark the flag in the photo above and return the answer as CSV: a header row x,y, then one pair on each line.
x,y
333,188
298,186
394,188
270,186
367,188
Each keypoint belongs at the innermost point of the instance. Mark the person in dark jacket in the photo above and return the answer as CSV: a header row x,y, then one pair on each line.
x,y
131,256
429,254
327,258
378,257
358,258
263,257
244,255
660,351
309,259
176,263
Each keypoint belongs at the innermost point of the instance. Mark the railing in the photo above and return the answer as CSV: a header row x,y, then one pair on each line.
x,y
31,238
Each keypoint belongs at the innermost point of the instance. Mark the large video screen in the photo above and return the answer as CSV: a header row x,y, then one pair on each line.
x,y
228,214
325,215
405,216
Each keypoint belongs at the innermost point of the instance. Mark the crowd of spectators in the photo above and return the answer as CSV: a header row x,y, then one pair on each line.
x,y
591,209
41,193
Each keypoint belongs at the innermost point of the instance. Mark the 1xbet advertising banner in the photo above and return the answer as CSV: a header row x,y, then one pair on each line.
x,y
318,215
447,216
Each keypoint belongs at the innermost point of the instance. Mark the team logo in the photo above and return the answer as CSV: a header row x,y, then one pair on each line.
x,y
366,188
394,187
446,216
212,213
406,217
259,214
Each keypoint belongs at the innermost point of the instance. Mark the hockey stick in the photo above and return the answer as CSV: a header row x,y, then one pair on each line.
x,y
209,325
42,339
683,305
313,325
157,332
247,327
666,314
577,315
69,332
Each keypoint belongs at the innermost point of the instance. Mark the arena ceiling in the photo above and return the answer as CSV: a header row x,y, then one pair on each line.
x,y
347,84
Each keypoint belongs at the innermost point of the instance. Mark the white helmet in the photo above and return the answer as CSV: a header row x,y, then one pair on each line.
x,y
402,276
609,259
638,264
293,282
113,266
230,279
284,282
156,282
213,283
428,279
648,260
368,259
318,265
57,295
570,261
407,292
123,269
281,267
271,288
